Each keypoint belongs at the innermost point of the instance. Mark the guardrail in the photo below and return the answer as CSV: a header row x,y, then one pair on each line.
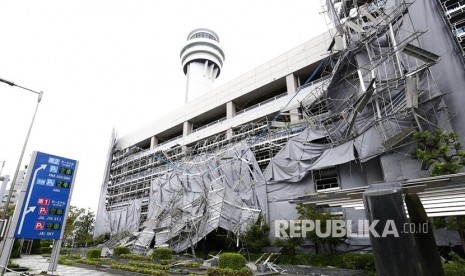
x,y
170,140
261,103
209,124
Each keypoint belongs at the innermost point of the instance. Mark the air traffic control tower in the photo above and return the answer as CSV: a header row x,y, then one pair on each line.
x,y
202,58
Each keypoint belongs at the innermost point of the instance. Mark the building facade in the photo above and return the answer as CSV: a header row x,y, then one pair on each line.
x,y
16,189
318,124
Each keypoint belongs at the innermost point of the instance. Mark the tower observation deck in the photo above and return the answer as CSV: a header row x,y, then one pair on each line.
x,y
202,58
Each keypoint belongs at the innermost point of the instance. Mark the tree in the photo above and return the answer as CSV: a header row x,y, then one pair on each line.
x,y
312,212
73,215
441,152
10,212
288,244
256,236
84,226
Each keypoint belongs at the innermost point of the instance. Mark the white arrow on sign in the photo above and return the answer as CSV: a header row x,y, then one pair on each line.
x,y
30,208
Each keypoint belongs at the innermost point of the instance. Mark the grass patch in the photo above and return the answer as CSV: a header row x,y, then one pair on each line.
x,y
135,257
139,270
149,265
90,261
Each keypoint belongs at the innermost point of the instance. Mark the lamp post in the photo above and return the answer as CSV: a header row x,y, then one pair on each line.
x,y
39,98
7,243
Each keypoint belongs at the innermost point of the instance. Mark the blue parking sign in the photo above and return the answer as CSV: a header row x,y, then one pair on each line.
x,y
50,183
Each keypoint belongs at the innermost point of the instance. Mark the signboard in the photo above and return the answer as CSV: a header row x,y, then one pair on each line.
x,y
48,190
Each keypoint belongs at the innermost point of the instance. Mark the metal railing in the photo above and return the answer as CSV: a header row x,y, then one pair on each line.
x,y
170,140
261,103
209,124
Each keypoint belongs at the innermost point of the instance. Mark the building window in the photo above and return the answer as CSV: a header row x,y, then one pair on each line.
x,y
203,35
326,179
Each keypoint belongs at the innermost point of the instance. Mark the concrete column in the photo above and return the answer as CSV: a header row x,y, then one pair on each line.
x,y
153,142
230,109
393,250
428,256
230,113
291,85
187,128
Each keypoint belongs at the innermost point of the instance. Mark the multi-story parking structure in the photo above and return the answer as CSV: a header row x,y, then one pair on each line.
x,y
316,125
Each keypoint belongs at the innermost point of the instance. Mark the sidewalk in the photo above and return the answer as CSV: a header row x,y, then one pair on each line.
x,y
37,264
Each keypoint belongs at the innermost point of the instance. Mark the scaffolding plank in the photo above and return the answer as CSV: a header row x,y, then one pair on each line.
x,y
398,138
419,53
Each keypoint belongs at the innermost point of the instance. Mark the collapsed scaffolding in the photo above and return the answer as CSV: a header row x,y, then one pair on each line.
x,y
378,92
187,192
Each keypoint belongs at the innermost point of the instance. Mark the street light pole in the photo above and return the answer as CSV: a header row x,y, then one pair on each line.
x,y
39,98
7,243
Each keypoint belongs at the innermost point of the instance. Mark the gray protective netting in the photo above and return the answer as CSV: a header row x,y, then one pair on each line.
x,y
381,90
221,189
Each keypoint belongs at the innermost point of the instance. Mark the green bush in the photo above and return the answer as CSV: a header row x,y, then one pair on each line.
x,y
256,237
90,261
162,254
455,267
229,272
166,262
35,249
45,250
15,252
102,238
73,257
139,270
45,243
108,261
254,256
189,265
149,265
65,251
231,260
346,260
12,265
62,260
119,250
358,261
93,253
135,257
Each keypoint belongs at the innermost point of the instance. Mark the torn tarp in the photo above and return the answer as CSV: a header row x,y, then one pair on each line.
x,y
222,189
335,156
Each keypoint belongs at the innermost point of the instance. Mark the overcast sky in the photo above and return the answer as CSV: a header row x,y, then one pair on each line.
x,y
105,64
